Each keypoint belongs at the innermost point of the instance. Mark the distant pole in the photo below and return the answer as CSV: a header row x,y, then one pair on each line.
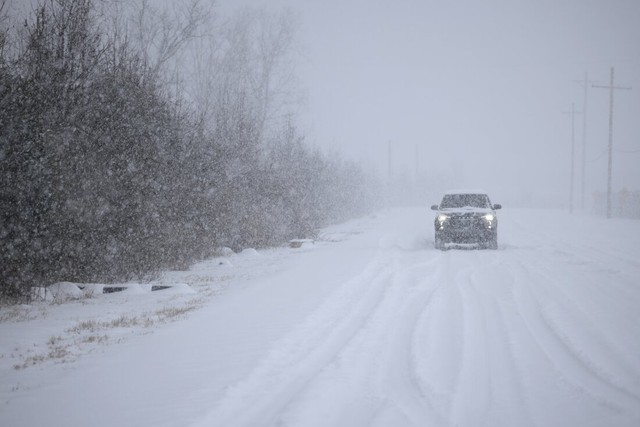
x,y
417,165
573,113
573,152
585,85
388,174
610,146
584,140
389,160
611,88
416,181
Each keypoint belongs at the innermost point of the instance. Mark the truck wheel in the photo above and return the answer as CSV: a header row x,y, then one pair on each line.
x,y
493,243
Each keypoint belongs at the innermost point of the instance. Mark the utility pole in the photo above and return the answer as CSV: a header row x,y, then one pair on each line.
x,y
389,160
417,161
585,85
611,88
416,181
573,113
389,174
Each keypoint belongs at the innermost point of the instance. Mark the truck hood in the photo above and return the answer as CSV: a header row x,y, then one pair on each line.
x,y
466,211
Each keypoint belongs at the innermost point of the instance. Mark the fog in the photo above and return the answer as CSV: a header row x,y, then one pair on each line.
x,y
476,89
170,146
470,94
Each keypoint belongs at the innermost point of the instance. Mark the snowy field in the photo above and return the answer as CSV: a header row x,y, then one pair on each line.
x,y
369,326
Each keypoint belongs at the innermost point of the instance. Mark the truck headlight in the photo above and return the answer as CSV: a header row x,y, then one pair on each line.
x,y
489,218
442,219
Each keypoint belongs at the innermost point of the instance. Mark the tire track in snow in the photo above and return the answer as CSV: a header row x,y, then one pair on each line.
x,y
589,296
520,412
298,357
400,372
591,290
464,338
376,364
585,253
474,390
575,366
492,284
355,317
598,316
590,330
438,342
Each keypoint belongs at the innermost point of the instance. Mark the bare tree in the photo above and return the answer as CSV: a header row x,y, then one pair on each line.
x,y
252,58
161,34
274,74
3,31
102,177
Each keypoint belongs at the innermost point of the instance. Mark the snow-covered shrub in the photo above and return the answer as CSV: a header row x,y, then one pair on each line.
x,y
107,174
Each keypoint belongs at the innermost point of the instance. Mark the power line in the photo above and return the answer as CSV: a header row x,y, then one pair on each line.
x,y
599,156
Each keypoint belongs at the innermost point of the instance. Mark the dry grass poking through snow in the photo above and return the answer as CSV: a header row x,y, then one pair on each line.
x,y
19,313
85,335
62,326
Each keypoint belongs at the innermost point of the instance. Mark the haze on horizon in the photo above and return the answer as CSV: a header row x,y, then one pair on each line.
x,y
469,94
476,89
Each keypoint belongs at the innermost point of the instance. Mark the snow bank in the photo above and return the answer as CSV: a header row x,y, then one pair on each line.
x,y
224,262
64,290
300,243
249,253
379,329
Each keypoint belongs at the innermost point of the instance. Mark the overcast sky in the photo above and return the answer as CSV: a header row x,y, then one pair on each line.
x,y
478,86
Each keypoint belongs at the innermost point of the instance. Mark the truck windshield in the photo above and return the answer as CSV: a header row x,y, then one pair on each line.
x,y
450,201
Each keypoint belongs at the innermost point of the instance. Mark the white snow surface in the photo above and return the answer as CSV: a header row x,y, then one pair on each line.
x,y
370,326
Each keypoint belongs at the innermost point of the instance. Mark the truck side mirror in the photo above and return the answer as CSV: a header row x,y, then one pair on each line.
x,y
434,207
498,206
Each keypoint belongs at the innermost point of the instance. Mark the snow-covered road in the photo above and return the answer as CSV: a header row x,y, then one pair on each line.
x,y
373,327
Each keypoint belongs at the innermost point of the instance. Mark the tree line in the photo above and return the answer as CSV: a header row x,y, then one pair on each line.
x,y
135,139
